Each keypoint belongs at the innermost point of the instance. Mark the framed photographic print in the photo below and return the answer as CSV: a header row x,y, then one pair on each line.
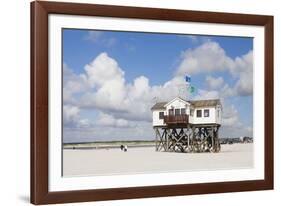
x,y
131,102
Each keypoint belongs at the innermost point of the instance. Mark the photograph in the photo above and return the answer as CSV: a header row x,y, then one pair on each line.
x,y
142,102
132,102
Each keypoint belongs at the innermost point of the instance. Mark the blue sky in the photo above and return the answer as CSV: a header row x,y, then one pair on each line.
x,y
140,51
159,58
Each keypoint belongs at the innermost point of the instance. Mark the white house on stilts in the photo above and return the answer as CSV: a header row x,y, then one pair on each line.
x,y
187,126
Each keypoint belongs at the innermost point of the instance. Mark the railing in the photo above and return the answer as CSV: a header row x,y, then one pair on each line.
x,y
176,119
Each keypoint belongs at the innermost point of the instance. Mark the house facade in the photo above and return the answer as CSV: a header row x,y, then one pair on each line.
x,y
179,112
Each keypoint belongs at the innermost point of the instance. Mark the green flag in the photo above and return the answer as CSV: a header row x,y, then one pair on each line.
x,y
191,89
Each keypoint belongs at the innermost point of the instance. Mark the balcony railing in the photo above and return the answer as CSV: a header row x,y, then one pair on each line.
x,y
176,119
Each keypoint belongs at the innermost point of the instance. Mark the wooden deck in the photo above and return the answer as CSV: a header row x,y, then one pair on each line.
x,y
176,119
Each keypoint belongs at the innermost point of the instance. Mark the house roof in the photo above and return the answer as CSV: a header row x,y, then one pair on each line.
x,y
159,105
204,103
195,103
176,98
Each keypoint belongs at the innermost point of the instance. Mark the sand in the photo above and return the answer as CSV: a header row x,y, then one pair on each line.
x,y
83,162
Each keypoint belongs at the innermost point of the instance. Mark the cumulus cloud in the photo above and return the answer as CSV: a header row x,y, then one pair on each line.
x,y
231,124
121,104
107,84
207,57
71,117
244,69
214,83
207,94
108,120
72,83
211,57
111,93
230,116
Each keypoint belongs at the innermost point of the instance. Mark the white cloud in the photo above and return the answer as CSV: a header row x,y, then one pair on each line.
x,y
207,57
111,93
244,69
94,36
107,79
108,120
97,37
230,116
210,57
207,94
227,91
70,113
214,83
140,131
72,83
123,105
231,123
71,117
103,69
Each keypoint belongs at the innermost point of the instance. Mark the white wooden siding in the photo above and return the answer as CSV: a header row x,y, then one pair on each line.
x,y
156,120
205,120
177,104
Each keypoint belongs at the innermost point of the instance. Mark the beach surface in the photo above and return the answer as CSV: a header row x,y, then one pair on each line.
x,y
111,161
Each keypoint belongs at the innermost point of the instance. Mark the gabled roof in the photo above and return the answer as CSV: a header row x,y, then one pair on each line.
x,y
195,103
176,98
159,105
205,103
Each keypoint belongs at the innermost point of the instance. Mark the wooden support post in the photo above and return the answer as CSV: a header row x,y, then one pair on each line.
x,y
188,137
213,136
192,138
156,139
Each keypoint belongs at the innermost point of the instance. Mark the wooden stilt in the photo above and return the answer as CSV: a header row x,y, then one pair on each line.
x,y
192,138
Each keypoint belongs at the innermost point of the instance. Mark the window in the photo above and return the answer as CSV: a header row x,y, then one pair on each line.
x,y
161,115
191,112
206,113
183,111
177,112
171,112
199,113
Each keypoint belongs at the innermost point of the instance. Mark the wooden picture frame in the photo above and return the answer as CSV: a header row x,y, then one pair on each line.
x,y
40,193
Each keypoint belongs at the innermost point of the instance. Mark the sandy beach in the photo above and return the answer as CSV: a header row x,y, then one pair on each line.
x,y
83,162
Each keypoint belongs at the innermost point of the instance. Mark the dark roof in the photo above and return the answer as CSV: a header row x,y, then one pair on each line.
x,y
159,105
204,103
196,103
